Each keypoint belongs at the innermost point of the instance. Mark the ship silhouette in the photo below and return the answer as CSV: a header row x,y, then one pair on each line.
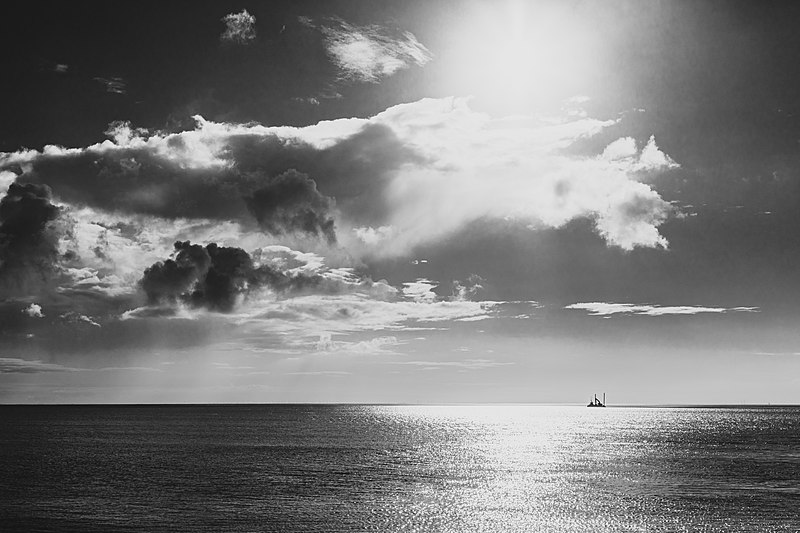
x,y
596,402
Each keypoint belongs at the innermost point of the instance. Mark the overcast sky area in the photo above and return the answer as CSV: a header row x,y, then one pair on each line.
x,y
415,202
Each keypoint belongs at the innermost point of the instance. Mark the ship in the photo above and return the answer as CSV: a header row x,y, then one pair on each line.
x,y
596,402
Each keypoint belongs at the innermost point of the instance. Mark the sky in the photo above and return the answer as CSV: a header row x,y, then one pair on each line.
x,y
400,202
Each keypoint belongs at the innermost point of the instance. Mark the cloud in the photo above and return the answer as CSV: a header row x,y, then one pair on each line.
x,y
114,85
468,289
290,202
214,277
28,239
417,172
188,175
375,345
13,365
372,236
466,364
420,291
72,317
239,28
624,150
369,53
319,373
606,309
34,311
343,189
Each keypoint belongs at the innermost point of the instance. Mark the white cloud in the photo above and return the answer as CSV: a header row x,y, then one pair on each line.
x,y
239,28
77,318
6,179
34,311
464,166
652,158
624,151
372,236
622,148
476,166
606,309
420,290
375,345
369,53
460,166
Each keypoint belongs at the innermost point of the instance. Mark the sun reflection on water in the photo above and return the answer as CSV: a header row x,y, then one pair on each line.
x,y
551,468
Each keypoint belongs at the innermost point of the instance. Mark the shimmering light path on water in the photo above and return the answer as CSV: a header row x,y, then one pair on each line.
x,y
399,468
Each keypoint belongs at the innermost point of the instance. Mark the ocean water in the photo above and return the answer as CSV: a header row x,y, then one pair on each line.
x,y
315,468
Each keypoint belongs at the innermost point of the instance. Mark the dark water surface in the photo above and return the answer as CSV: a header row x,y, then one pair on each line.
x,y
398,468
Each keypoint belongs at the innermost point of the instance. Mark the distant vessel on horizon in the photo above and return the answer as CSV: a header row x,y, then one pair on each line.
x,y
596,402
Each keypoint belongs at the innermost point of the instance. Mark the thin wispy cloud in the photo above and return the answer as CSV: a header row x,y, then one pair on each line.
x,y
607,309
318,373
114,85
369,53
375,345
14,365
465,364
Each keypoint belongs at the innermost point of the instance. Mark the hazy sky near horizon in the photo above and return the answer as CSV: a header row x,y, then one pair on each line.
x,y
417,201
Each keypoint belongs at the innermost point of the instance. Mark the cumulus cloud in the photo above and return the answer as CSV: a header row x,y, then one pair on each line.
x,y
34,311
291,201
420,290
28,238
214,277
370,53
240,28
276,297
468,289
372,236
607,309
358,187
625,151
409,175
186,175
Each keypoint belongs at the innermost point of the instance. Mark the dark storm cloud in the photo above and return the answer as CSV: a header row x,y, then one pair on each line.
x,y
214,277
165,281
28,238
289,202
355,170
282,182
251,187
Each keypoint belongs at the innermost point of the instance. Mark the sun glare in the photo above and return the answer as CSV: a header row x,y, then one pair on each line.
x,y
519,54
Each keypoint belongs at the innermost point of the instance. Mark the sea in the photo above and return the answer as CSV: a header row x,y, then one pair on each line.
x,y
392,468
